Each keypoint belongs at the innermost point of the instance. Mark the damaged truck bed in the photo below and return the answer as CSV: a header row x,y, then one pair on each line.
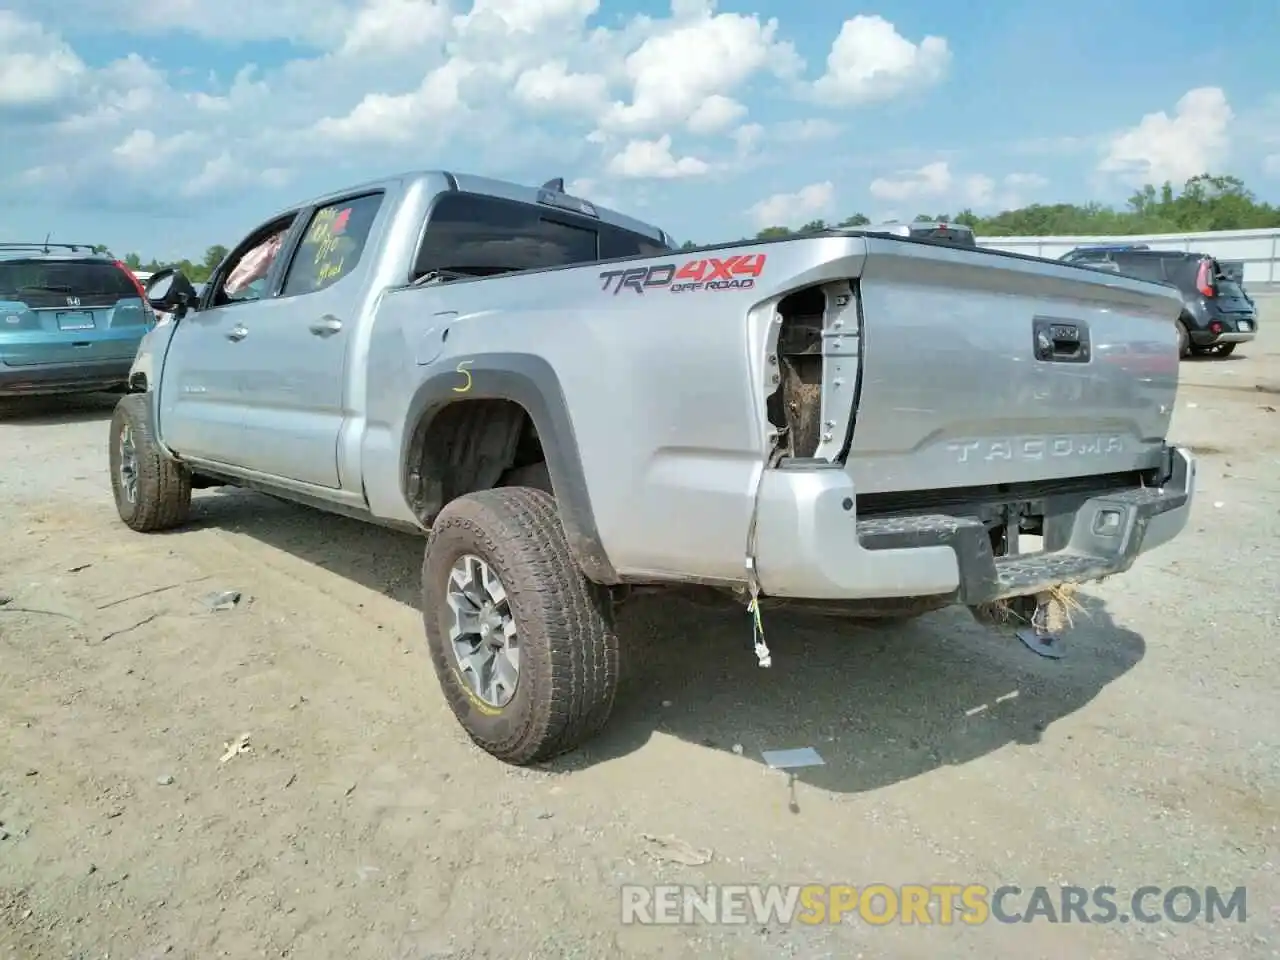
x,y
572,409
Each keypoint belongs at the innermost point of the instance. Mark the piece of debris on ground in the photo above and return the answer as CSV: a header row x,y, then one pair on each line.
x,y
236,747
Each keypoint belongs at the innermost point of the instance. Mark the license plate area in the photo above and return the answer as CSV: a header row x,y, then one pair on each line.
x,y
1244,326
75,320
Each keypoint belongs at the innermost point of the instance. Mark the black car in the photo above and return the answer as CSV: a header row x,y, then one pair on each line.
x,y
1216,312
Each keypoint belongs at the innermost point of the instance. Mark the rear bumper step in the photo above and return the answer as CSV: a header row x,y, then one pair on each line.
x,y
806,551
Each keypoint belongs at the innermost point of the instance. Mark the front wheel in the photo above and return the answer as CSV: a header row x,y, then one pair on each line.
x,y
152,491
522,643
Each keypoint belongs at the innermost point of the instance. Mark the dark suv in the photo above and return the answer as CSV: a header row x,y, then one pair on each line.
x,y
1216,312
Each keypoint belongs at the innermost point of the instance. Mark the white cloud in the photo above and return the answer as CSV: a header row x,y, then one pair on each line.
x,y
931,180
870,61
381,118
551,86
1193,141
393,27
715,114
36,67
653,159
936,183
794,209
319,22
806,131
500,86
223,172
702,57
142,150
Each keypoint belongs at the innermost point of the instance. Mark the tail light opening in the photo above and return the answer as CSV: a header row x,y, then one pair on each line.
x,y
137,284
815,362
1204,279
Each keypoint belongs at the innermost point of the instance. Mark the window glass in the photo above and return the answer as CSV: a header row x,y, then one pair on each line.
x,y
479,234
616,242
332,245
54,282
243,278
1143,268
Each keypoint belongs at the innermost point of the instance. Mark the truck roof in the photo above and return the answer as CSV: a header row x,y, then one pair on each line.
x,y
489,186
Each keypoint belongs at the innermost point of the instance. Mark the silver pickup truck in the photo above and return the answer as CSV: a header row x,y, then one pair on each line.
x,y
573,410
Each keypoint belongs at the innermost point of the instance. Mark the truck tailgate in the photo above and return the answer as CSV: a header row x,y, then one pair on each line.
x,y
979,369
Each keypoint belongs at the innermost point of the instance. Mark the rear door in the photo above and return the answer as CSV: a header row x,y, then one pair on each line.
x,y
69,310
1228,292
293,357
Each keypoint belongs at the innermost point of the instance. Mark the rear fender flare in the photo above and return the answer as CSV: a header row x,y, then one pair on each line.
x,y
531,382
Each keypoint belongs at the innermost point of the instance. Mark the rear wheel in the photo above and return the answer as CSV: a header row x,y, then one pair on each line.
x,y
1184,340
152,491
522,643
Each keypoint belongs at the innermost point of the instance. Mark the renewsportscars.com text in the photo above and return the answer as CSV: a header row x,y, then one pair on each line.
x,y
937,903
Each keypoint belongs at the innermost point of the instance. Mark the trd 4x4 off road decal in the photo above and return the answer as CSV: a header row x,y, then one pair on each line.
x,y
711,273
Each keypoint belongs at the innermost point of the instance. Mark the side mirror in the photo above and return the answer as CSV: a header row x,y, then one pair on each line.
x,y
169,291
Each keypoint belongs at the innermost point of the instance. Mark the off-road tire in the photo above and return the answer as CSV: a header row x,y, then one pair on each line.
x,y
163,498
1184,340
568,649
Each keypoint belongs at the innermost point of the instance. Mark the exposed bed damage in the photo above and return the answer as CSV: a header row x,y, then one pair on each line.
x,y
816,355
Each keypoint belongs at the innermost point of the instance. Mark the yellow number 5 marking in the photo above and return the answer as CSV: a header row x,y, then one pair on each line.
x,y
462,369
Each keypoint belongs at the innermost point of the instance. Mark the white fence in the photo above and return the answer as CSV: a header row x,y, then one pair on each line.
x,y
1255,252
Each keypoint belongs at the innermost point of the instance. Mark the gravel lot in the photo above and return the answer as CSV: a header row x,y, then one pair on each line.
x,y
362,824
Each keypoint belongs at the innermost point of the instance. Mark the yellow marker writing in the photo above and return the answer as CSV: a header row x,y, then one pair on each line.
x,y
462,369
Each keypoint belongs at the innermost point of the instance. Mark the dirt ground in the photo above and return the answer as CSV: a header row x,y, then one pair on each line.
x,y
361,823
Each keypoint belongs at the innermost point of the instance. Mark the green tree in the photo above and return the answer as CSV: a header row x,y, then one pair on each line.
x,y
214,256
773,233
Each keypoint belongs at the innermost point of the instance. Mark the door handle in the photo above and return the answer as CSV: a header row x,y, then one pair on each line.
x,y
237,333
326,326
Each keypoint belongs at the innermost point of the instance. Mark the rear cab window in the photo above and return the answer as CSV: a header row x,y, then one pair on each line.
x,y
482,235
42,283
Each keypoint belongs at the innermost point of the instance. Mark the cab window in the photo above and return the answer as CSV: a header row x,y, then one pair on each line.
x,y
332,245
244,278
479,234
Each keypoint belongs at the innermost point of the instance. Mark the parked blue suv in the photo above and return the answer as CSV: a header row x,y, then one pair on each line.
x,y
70,319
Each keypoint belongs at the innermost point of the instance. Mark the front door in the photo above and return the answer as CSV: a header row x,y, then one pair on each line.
x,y
297,344
201,389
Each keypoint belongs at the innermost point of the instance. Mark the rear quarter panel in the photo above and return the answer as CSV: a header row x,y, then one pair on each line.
x,y
663,387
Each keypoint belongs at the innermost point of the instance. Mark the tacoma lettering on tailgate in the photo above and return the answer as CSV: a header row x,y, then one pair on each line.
x,y
709,273
1035,448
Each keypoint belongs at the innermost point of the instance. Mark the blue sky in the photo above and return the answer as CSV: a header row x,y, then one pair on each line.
x,y
164,126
